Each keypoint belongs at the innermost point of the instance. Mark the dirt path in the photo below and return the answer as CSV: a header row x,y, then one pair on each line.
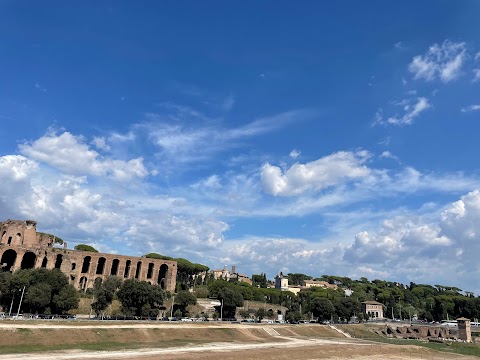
x,y
258,342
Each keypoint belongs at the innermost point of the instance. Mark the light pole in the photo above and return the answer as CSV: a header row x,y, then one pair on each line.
x,y
171,309
20,304
11,304
221,312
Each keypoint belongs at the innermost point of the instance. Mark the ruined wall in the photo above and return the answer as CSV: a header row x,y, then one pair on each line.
x,y
18,233
21,248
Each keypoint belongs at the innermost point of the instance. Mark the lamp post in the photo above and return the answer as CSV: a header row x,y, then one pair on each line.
x,y
11,304
221,312
20,304
171,309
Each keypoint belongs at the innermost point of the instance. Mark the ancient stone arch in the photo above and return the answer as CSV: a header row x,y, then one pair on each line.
x,y
100,266
28,260
45,261
138,270
126,273
114,269
58,261
86,264
8,260
150,270
162,275
82,284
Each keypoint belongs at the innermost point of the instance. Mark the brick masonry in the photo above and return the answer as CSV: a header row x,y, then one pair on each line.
x,y
21,247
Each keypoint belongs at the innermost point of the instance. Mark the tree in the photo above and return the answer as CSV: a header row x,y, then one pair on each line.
x,y
346,308
298,279
139,298
183,299
67,299
84,247
42,289
260,314
103,293
322,308
231,298
39,297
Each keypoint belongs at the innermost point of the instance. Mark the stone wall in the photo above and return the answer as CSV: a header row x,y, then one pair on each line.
x,y
21,248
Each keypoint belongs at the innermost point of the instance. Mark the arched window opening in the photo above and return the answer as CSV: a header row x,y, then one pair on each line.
x,y
9,240
58,261
114,269
74,265
8,260
162,275
150,270
44,262
126,273
138,270
83,283
28,260
100,266
19,239
86,264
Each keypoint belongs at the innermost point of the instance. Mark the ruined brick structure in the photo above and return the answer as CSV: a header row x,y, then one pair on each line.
x,y
21,247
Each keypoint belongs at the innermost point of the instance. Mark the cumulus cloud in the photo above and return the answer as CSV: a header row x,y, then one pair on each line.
x,y
71,155
443,61
446,240
316,175
283,254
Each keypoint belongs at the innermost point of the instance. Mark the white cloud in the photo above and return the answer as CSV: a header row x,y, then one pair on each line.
x,y
316,175
476,76
100,143
443,61
412,110
294,154
470,108
71,155
388,155
188,143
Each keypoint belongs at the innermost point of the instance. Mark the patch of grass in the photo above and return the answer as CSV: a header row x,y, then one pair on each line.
x,y
102,346
24,330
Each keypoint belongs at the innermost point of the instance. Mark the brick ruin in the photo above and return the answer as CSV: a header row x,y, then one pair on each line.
x,y
420,332
21,247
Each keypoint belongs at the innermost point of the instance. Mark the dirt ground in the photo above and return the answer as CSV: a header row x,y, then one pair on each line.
x,y
204,342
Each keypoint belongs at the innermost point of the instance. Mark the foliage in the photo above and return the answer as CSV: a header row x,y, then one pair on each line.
x,y
201,292
185,270
322,308
104,292
183,299
139,298
297,279
57,240
260,314
84,247
259,280
46,291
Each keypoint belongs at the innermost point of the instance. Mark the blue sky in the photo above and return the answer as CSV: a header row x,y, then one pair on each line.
x,y
320,138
